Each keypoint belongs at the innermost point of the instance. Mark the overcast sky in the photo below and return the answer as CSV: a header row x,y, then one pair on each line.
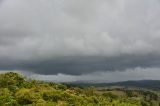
x,y
81,39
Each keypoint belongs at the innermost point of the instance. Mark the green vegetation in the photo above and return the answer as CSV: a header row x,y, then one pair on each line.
x,y
15,90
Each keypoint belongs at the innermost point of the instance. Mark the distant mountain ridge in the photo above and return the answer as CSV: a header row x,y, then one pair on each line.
x,y
149,84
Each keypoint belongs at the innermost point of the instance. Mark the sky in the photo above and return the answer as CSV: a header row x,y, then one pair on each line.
x,y
71,40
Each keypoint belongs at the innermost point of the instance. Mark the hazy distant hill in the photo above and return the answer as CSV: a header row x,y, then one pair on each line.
x,y
149,84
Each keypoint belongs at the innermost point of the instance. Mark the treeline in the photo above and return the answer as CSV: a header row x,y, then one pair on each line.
x,y
15,90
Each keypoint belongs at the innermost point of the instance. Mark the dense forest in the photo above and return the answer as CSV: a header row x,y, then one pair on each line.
x,y
17,90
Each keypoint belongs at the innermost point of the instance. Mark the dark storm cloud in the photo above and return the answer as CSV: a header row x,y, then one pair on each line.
x,y
84,65
77,37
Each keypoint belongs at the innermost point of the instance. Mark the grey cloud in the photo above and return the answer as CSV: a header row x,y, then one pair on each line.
x,y
137,73
85,65
77,37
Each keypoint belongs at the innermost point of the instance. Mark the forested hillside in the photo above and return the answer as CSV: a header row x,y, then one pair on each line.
x,y
16,90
